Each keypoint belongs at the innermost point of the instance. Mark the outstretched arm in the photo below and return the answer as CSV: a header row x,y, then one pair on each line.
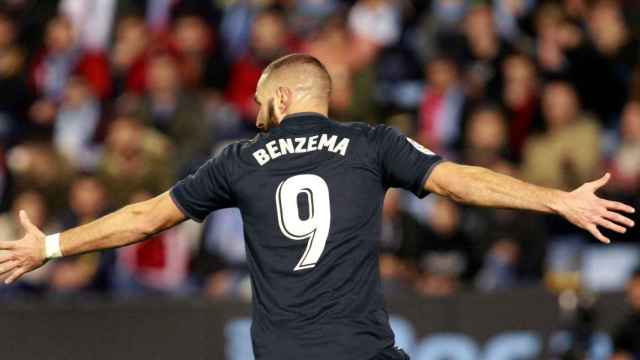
x,y
128,225
483,187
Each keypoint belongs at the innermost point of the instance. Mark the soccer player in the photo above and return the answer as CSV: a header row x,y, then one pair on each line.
x,y
310,191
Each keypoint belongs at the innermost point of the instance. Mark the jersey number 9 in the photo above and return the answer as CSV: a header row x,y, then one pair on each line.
x,y
315,227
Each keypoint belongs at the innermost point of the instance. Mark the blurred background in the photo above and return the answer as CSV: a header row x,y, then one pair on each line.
x,y
106,102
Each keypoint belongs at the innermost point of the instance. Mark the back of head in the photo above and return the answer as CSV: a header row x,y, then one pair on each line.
x,y
292,84
301,73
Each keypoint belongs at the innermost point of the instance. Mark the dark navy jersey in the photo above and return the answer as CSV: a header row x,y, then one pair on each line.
x,y
311,193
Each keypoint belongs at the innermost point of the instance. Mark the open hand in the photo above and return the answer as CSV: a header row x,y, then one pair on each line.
x,y
583,208
24,255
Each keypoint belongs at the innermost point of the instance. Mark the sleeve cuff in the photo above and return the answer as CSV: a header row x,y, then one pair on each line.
x,y
182,208
422,192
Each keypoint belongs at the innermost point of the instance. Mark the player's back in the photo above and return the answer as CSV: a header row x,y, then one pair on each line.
x,y
311,193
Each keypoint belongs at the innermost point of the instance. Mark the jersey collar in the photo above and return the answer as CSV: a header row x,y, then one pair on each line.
x,y
303,119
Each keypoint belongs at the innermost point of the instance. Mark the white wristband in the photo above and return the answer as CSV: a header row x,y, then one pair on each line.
x,y
52,246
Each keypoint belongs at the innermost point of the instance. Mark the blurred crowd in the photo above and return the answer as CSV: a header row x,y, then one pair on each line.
x,y
108,102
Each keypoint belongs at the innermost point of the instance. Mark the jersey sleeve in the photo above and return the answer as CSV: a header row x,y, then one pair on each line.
x,y
207,189
404,162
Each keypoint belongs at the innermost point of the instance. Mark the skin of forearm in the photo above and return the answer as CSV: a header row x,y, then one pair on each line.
x,y
128,225
479,186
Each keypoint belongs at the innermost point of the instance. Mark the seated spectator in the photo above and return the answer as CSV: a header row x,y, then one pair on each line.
x,y
441,28
625,164
484,51
172,110
221,261
201,61
269,40
611,49
11,229
626,339
447,257
88,200
14,100
76,125
158,266
441,109
135,157
38,166
377,21
62,57
129,55
520,100
399,243
567,154
486,138
332,45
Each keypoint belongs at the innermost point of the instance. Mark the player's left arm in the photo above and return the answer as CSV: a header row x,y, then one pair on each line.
x,y
482,187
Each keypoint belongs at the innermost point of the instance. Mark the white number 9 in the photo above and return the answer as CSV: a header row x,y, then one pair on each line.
x,y
316,226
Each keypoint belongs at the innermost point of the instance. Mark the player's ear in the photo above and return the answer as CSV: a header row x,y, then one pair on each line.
x,y
282,101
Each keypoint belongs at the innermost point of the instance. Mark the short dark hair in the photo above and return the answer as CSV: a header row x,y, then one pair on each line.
x,y
300,59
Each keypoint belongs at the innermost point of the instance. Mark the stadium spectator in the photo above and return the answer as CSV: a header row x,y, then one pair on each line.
x,y
625,164
442,105
60,57
221,261
37,166
76,125
201,61
159,266
520,100
486,142
14,101
377,21
269,40
88,200
35,204
135,158
129,55
92,20
447,257
174,111
568,152
613,51
627,336
399,243
484,51
441,28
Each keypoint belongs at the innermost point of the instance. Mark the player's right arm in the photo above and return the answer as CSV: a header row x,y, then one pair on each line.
x,y
132,223
193,197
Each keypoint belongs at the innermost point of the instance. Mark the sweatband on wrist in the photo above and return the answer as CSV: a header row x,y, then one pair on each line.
x,y
52,246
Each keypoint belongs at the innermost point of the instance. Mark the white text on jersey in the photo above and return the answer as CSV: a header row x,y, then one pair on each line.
x,y
276,148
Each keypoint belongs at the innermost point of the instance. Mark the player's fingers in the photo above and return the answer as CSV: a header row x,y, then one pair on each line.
x,y
15,275
27,224
4,257
620,219
611,226
615,205
8,266
593,229
7,245
597,184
